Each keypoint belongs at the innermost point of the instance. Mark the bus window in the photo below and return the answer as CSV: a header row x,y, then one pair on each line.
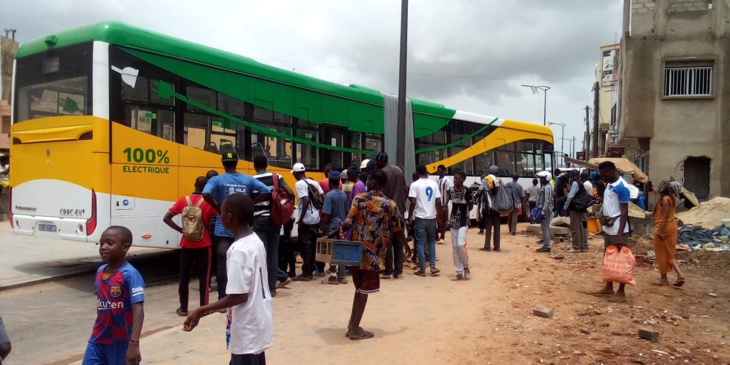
x,y
356,142
222,132
305,153
373,143
64,97
202,96
139,93
548,161
276,149
158,122
195,127
483,162
231,105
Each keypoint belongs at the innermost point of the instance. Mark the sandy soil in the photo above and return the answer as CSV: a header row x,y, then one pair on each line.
x,y
489,320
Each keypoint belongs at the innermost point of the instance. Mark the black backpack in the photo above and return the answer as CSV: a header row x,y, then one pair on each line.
x,y
582,200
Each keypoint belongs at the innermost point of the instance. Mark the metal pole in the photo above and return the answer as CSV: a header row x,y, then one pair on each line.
x,y
596,115
400,157
562,144
588,136
544,108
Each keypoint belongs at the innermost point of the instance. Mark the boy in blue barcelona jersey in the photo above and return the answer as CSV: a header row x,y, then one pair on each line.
x,y
216,191
120,304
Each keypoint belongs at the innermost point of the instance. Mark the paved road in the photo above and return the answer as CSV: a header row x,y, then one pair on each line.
x,y
49,319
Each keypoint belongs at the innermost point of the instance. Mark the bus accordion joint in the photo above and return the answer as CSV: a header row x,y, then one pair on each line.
x,y
91,222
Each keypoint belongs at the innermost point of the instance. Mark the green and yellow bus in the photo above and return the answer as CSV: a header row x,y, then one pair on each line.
x,y
112,123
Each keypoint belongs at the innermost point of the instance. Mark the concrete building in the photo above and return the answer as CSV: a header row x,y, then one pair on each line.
x,y
8,48
607,76
673,107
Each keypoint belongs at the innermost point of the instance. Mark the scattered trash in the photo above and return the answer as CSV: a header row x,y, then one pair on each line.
x,y
712,295
650,255
557,257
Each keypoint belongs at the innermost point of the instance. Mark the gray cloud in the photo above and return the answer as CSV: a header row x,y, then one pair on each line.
x,y
470,55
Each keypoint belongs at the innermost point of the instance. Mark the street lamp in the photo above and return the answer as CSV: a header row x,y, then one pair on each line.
x,y
544,104
562,138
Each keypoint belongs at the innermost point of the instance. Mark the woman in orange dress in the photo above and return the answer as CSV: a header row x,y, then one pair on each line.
x,y
665,231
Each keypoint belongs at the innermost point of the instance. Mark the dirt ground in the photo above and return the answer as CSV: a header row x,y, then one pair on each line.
x,y
693,322
487,320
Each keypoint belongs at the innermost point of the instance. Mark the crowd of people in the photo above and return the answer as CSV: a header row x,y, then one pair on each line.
x,y
229,223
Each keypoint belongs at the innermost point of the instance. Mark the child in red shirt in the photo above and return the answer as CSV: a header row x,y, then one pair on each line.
x,y
193,252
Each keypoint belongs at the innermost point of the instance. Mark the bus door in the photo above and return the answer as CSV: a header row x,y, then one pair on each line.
x,y
335,136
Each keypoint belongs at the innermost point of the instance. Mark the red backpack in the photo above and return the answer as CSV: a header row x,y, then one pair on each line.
x,y
282,206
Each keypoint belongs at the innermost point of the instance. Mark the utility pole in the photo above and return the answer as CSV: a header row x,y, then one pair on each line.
x,y
596,114
588,134
400,157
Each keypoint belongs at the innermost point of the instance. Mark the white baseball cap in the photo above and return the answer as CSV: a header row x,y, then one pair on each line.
x,y
364,163
298,167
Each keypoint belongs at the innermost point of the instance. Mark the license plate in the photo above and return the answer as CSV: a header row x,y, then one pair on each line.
x,y
47,227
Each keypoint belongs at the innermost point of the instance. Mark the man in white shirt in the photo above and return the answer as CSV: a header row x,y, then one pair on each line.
x,y
615,207
425,202
250,327
443,213
308,221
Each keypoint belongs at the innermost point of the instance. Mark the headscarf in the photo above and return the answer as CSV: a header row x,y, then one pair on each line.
x,y
668,185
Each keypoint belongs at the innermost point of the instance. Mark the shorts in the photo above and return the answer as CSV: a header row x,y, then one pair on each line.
x,y
97,354
248,359
366,281
611,240
3,335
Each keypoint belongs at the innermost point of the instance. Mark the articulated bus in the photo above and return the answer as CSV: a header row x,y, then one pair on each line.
x,y
113,123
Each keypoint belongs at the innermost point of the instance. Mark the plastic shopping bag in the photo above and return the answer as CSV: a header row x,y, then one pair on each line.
x,y
619,265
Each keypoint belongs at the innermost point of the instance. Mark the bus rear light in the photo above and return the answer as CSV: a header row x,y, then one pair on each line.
x,y
91,222
145,236
10,208
81,228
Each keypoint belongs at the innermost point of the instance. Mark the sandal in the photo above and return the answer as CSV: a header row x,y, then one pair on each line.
x,y
181,313
363,336
679,282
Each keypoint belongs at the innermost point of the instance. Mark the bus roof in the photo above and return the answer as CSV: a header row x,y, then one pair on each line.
x,y
125,35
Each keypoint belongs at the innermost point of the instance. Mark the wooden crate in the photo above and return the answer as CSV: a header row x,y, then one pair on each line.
x,y
338,252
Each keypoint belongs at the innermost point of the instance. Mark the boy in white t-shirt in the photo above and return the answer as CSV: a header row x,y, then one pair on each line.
x,y
425,202
250,329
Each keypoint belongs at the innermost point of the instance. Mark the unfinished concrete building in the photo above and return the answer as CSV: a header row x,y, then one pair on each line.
x,y
673,97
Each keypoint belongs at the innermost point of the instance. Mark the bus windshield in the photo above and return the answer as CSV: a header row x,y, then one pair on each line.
x,y
63,97
54,83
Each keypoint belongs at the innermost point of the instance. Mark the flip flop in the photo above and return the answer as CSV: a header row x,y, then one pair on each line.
x,y
678,283
181,313
365,335
284,283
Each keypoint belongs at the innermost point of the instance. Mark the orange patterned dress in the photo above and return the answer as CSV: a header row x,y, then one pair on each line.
x,y
665,248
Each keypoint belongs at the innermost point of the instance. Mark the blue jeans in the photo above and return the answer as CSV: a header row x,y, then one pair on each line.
x,y
425,230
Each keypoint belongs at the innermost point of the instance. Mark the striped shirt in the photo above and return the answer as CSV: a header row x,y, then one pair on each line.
x,y
263,209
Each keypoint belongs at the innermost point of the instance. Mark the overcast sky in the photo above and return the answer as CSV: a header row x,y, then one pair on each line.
x,y
468,55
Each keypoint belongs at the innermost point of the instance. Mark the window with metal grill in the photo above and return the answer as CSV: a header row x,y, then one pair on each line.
x,y
688,79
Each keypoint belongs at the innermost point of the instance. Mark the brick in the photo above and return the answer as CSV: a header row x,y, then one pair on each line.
x,y
649,334
543,311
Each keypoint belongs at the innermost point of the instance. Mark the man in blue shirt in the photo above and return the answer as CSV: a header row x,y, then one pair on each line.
x,y
334,212
216,190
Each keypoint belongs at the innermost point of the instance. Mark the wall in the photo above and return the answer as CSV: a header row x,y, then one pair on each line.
x,y
678,128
